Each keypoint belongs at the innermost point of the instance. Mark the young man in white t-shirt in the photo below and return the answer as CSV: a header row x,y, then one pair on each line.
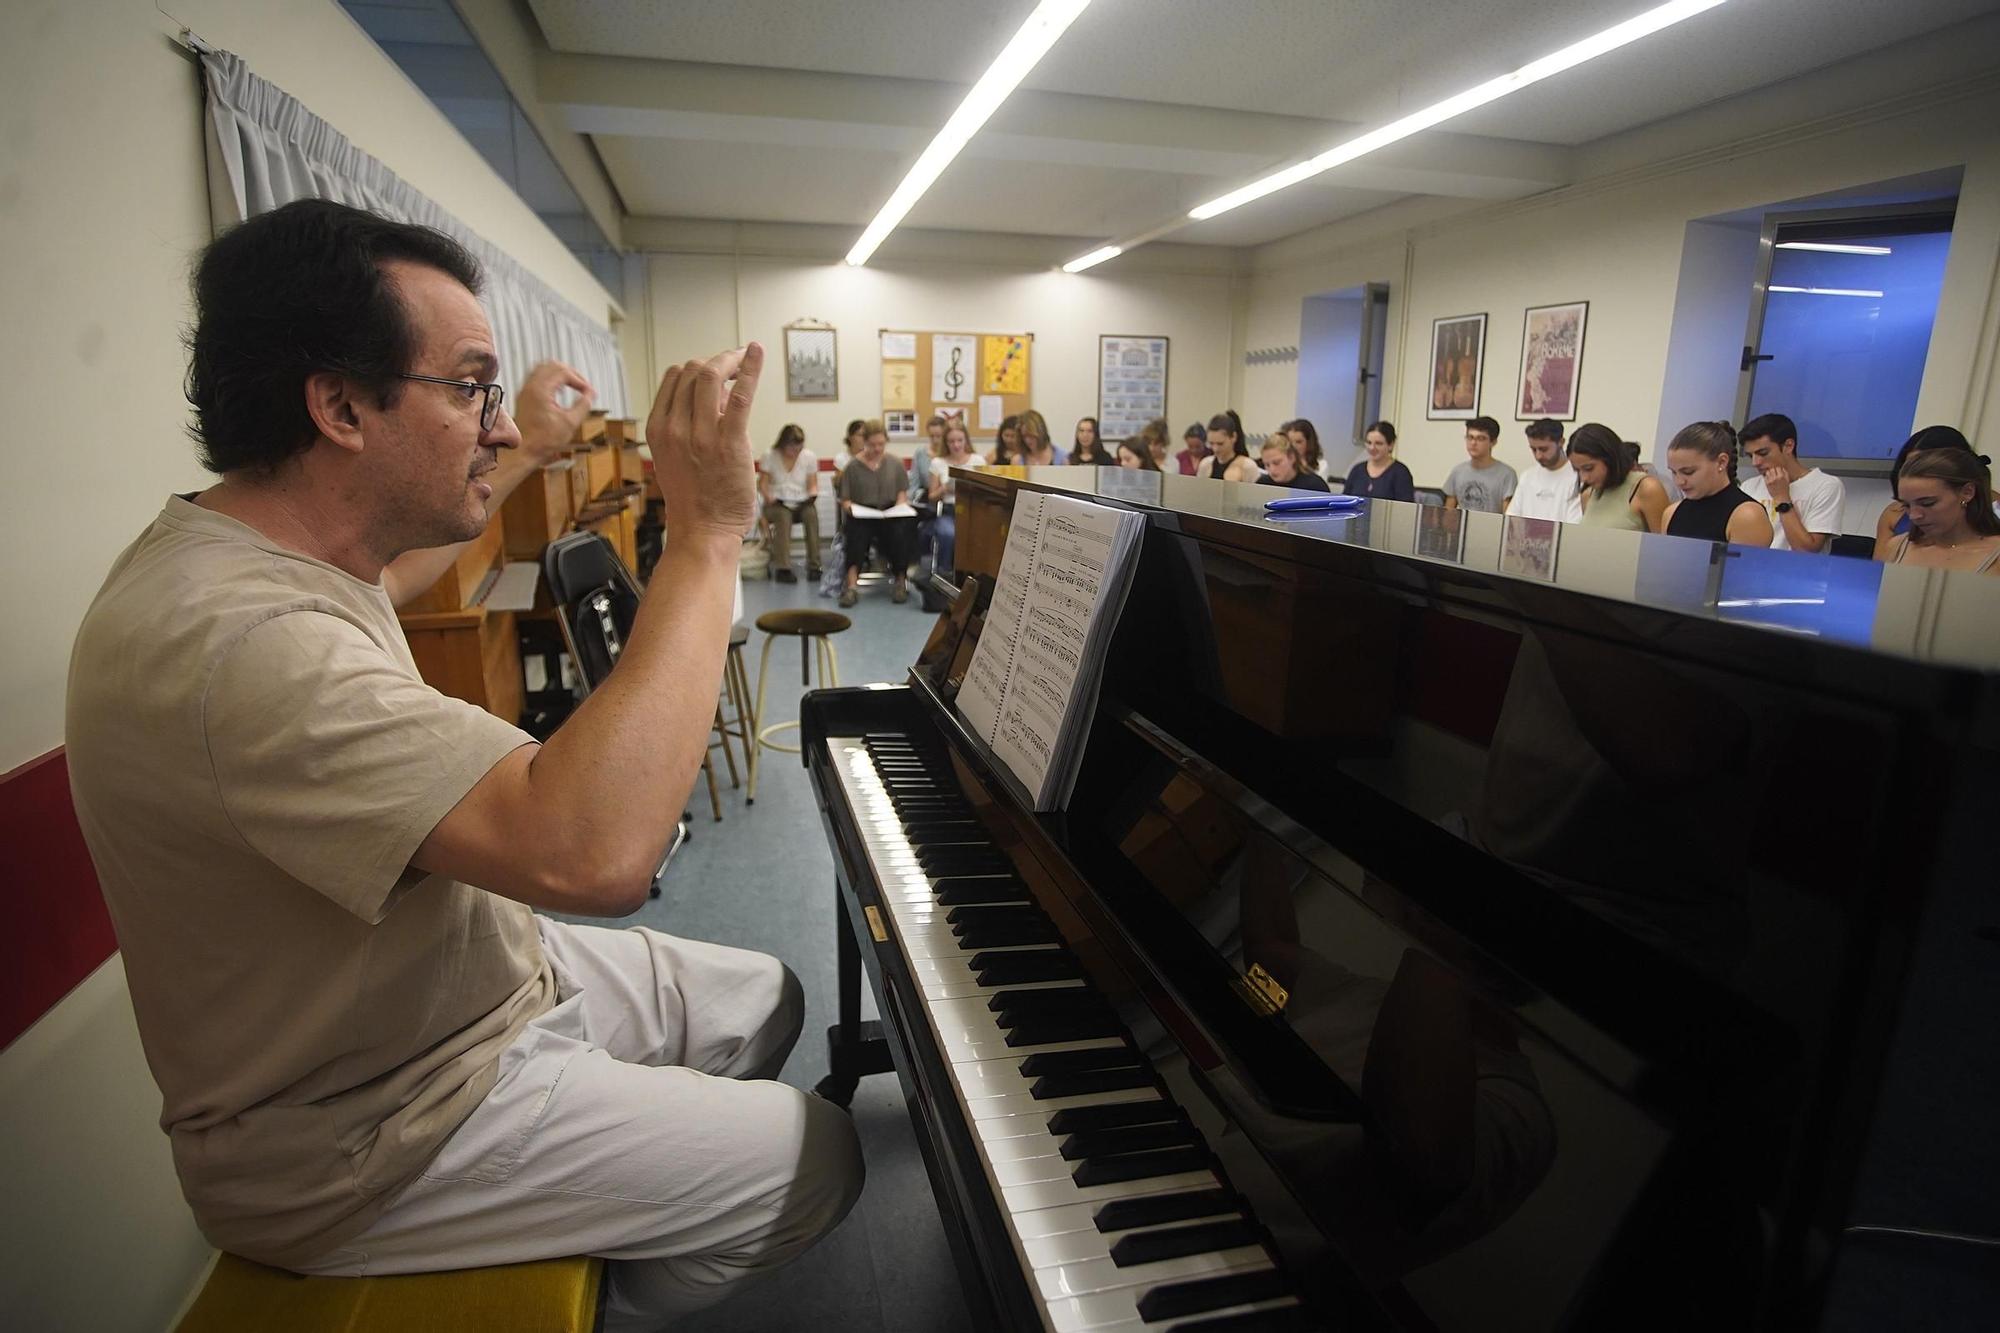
x,y
1805,505
1549,489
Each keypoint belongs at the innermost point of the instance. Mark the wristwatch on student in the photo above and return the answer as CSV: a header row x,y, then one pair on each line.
x,y
1783,506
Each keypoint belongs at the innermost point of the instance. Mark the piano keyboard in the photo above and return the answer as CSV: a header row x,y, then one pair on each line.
x,y
1110,1196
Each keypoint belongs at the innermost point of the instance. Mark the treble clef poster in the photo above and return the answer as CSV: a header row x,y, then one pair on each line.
x,y
953,365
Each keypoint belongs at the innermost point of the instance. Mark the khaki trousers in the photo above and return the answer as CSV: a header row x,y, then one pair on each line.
x,y
632,1121
780,515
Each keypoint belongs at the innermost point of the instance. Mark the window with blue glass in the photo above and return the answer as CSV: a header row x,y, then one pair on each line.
x,y
1848,310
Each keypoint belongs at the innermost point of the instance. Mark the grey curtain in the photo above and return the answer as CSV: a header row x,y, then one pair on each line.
x,y
265,150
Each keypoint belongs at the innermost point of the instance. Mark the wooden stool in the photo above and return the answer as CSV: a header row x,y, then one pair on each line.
x,y
814,630
550,1296
740,723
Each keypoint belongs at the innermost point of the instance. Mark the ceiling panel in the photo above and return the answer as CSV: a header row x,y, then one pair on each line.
x,y
690,178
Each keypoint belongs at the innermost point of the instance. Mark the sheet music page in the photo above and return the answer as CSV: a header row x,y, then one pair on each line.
x,y
985,688
1063,599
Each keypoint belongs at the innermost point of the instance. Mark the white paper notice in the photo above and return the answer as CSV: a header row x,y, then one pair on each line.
x,y
992,409
899,347
954,367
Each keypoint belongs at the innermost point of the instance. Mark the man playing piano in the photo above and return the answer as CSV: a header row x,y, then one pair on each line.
x,y
374,1056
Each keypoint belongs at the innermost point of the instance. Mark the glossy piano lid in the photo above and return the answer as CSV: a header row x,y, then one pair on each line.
x,y
1925,615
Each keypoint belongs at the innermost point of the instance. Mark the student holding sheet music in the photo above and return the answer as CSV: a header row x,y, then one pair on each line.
x,y
875,494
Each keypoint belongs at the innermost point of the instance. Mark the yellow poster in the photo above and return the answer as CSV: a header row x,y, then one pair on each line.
x,y
1003,364
899,386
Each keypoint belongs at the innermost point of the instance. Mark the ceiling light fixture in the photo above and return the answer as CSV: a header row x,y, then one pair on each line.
x,y
1589,48
1049,21
1097,256
1827,291
1830,248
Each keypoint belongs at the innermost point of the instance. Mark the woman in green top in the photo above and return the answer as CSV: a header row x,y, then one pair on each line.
x,y
1616,494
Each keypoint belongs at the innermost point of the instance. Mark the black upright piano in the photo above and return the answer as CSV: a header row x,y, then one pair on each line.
x,y
1460,923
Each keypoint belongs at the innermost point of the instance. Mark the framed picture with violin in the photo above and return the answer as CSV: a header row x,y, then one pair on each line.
x,y
1458,364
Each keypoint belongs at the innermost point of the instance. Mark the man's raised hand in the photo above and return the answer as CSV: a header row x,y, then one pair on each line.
x,y
546,426
699,430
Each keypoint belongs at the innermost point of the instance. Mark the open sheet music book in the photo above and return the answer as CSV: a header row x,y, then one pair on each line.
x,y
896,511
1031,690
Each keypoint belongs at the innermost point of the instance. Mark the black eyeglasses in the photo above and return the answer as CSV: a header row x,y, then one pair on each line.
x,y
489,411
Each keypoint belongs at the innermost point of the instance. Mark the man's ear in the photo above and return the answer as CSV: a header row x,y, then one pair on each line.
x,y
330,401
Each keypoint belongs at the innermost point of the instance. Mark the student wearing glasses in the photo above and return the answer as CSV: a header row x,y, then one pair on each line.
x,y
373,1053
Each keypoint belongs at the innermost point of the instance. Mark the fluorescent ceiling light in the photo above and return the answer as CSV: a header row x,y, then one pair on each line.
x,y
1095,257
1832,249
1049,21
1589,48
1827,291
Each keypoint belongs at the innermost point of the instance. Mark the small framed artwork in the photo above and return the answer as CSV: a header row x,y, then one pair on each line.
x,y
1551,362
812,364
1458,364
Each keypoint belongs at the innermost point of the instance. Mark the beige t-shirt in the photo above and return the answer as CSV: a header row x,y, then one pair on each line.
x,y
254,760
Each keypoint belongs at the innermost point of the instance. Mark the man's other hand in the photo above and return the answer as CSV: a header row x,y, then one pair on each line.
x,y
699,429
547,426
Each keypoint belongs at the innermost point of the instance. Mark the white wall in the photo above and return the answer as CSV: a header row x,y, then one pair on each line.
x,y
103,193
703,303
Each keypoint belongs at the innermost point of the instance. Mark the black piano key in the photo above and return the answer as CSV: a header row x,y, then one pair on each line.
x,y
956,830
1136,1138
1282,1319
1020,969
1075,1062
1006,936
963,919
1049,1031
1047,1003
1211,1293
1150,1247
1138,1166
1089,1081
948,863
961,890
1150,1210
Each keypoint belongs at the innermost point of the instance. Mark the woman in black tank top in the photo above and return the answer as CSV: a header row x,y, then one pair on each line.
x,y
1702,459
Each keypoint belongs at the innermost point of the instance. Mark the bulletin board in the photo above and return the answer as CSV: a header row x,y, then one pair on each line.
x,y
919,378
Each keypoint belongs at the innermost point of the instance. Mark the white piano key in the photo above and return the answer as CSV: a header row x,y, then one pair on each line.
x,y
1094,1275
985,1108
1085,1242
1056,1193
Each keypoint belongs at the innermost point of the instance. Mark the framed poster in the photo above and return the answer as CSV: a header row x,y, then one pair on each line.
x,y
1131,383
812,366
1551,361
1458,365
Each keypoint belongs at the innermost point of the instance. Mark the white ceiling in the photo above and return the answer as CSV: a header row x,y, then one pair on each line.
x,y
773,110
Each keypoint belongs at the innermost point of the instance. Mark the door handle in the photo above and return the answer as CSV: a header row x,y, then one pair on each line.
x,y
1751,358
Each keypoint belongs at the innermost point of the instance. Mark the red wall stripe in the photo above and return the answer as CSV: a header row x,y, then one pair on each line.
x,y
58,930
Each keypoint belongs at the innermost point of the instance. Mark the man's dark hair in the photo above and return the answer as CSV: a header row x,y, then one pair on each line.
x,y
1487,424
1546,429
1773,426
293,293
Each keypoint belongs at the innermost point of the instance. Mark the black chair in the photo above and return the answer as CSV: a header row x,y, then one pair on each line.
x,y
597,602
1848,544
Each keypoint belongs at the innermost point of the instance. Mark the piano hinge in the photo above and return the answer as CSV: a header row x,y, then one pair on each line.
x,y
1261,991
875,925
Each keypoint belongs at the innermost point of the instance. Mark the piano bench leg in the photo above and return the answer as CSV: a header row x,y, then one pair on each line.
x,y
852,1056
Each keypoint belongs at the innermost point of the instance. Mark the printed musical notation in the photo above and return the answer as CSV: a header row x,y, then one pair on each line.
x,y
1032,685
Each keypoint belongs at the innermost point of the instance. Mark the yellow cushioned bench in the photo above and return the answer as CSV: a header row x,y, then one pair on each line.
x,y
550,1296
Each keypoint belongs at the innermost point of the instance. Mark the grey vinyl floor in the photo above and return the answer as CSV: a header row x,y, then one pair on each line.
x,y
762,878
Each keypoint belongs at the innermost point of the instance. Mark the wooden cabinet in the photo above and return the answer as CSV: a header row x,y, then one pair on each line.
x,y
539,510
472,654
459,586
